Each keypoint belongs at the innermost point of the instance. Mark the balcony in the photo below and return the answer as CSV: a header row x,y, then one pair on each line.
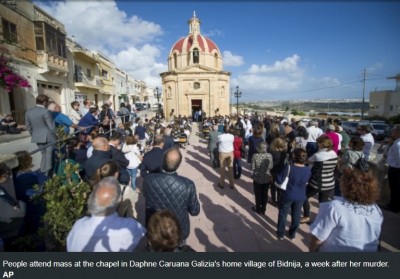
x,y
85,55
84,81
52,64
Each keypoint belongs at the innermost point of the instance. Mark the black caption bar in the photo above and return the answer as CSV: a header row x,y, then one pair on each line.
x,y
129,265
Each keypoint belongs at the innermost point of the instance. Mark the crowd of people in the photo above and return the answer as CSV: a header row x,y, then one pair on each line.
x,y
113,149
318,159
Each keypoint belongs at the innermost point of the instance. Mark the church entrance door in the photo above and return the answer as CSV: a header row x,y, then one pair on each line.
x,y
197,110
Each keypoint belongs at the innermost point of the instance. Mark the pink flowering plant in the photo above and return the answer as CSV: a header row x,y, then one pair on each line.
x,y
9,79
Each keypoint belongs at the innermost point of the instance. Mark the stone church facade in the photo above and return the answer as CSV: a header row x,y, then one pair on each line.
x,y
195,79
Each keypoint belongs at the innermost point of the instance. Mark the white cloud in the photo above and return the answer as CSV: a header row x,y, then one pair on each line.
x,y
232,60
378,66
280,77
101,26
213,33
141,63
289,64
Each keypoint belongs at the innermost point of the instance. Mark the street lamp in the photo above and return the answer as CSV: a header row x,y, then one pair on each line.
x,y
238,94
157,95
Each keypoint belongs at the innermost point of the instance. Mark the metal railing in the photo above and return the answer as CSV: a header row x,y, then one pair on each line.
x,y
110,131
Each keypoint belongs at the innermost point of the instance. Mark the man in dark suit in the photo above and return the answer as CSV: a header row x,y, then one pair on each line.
x,y
41,126
101,154
168,190
152,160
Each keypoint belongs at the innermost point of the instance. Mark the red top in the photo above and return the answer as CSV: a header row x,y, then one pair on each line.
x,y
335,140
237,143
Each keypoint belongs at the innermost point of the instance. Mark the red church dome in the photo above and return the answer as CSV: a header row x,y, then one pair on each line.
x,y
184,44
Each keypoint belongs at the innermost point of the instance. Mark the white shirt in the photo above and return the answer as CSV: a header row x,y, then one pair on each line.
x,y
105,234
368,144
393,156
347,227
313,133
322,155
248,126
83,110
74,116
225,143
340,141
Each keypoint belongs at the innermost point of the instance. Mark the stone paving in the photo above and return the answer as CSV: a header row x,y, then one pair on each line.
x,y
227,223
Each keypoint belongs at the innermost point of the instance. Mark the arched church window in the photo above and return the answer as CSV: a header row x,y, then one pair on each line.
x,y
196,56
216,61
175,61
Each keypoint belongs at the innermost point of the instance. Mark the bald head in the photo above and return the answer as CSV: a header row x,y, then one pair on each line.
x,y
101,144
105,197
172,159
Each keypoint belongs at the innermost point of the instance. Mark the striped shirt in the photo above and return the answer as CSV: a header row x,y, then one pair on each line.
x,y
323,170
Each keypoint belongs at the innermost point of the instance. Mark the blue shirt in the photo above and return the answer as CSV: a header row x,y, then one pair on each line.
x,y
298,179
62,120
141,132
88,120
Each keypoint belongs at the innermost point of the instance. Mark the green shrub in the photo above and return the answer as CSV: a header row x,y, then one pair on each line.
x,y
65,199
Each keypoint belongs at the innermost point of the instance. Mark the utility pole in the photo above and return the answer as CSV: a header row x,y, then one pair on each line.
x,y
363,98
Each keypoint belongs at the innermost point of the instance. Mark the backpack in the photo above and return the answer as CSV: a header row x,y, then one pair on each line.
x,y
362,164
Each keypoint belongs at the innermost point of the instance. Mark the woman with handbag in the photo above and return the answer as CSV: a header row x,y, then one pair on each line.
x,y
295,194
349,159
278,150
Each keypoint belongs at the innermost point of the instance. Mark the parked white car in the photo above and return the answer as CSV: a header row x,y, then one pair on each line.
x,y
350,127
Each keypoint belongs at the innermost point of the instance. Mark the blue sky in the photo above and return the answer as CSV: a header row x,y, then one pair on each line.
x,y
275,50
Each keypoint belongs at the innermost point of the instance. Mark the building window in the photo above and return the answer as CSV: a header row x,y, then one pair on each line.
x,y
391,108
196,85
216,61
196,56
55,39
9,31
104,73
78,73
88,73
175,61
38,27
